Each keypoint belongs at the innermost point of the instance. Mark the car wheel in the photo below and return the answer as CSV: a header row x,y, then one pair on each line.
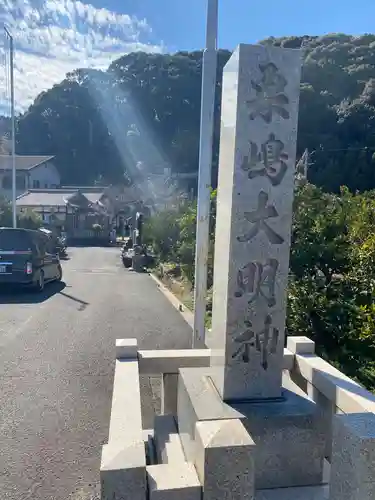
x,y
39,286
59,273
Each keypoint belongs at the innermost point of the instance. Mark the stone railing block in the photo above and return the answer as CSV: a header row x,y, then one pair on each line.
x,y
300,345
225,460
347,395
177,481
126,348
126,419
123,472
170,380
170,361
353,457
288,361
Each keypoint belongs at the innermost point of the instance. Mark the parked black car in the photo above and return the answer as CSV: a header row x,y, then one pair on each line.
x,y
28,258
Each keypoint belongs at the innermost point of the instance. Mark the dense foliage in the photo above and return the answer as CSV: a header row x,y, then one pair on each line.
x,y
332,280
332,283
140,116
171,233
27,220
144,110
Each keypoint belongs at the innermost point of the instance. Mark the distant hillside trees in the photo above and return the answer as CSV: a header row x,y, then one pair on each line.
x,y
144,110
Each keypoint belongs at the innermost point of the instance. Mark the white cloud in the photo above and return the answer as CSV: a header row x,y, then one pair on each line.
x,y
53,37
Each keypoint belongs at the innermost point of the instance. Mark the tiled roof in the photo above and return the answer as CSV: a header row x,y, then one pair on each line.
x,y
22,162
52,197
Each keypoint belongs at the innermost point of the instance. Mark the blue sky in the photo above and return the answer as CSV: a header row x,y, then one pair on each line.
x,y
53,37
180,24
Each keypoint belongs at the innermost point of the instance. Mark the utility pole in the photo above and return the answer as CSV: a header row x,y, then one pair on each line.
x,y
13,124
204,179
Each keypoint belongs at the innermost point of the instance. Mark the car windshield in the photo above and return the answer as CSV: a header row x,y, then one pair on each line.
x,y
12,239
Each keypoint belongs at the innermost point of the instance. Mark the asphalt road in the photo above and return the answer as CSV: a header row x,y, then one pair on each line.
x,y
56,367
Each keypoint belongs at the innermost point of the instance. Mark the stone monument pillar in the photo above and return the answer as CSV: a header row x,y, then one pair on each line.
x,y
254,216
252,245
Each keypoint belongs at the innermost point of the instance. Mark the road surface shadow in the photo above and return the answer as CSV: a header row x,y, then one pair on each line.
x,y
82,303
13,295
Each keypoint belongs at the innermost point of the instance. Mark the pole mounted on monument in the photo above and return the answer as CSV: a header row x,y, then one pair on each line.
x,y
204,179
13,122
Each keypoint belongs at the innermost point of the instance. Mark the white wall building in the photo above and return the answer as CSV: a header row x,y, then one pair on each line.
x,y
32,172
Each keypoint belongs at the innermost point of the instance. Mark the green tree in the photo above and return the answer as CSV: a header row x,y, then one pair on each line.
x,y
27,220
145,110
332,283
331,292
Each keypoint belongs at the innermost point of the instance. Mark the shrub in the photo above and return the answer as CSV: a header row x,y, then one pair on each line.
x,y
331,292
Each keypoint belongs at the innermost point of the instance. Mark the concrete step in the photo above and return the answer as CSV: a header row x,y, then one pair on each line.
x,y
167,441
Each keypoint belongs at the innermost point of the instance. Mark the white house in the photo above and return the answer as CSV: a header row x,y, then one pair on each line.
x,y
32,172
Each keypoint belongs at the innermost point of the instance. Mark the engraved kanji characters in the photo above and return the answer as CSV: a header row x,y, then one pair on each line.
x,y
270,97
258,217
269,161
258,280
265,342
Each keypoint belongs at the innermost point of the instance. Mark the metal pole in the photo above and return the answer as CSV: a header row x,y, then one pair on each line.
x,y
13,124
306,164
204,179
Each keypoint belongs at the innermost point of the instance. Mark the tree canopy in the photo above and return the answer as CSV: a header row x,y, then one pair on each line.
x,y
143,111
26,220
331,290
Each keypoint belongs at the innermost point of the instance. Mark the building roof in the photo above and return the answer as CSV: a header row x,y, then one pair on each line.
x,y
85,189
22,162
53,197
119,193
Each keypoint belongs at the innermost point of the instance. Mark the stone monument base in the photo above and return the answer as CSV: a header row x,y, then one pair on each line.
x,y
288,434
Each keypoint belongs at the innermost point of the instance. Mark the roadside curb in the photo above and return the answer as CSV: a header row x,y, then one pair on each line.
x,y
176,303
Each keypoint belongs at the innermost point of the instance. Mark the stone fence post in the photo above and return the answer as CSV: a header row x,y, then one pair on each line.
x,y
353,457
